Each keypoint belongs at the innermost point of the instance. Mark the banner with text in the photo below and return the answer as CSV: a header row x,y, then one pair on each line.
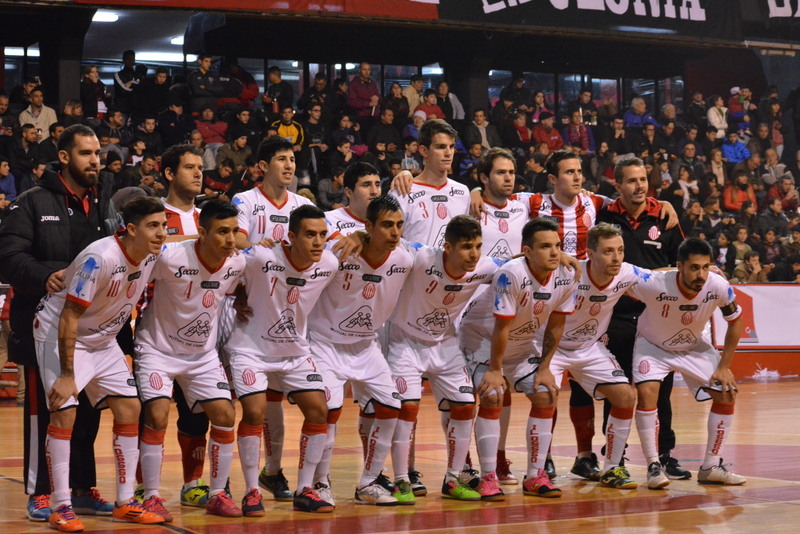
x,y
771,313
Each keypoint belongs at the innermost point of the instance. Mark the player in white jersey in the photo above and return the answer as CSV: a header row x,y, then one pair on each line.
x,y
530,293
175,343
283,284
422,342
343,330
362,184
75,332
263,219
671,336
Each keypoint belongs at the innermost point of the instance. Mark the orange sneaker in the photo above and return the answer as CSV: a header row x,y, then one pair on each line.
x,y
133,512
65,520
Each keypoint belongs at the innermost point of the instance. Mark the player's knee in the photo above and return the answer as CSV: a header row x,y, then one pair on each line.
x,y
544,399
315,411
621,396
222,414
492,401
253,409
647,395
63,418
156,419
126,410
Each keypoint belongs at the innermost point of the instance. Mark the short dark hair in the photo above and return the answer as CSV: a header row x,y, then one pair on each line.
x,y
53,127
486,163
306,211
431,128
428,92
271,146
600,231
217,210
137,209
535,226
227,162
619,168
461,228
67,140
203,55
274,69
358,170
696,246
380,204
417,78
128,53
557,157
749,254
476,110
171,158
37,89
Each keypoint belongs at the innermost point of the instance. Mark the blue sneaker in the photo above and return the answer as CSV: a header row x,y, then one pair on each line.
x,y
91,504
39,507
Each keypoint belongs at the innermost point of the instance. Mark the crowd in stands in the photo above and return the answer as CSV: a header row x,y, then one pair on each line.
x,y
720,161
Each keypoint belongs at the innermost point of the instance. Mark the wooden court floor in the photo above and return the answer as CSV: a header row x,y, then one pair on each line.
x,y
764,446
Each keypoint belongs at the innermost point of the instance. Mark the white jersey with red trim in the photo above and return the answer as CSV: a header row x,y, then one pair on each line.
x,y
361,298
431,299
573,221
105,281
260,217
183,315
343,222
674,321
181,222
594,305
428,209
282,297
501,227
519,295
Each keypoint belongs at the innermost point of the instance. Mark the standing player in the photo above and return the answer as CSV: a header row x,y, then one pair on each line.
x,y
344,341
176,343
422,342
361,184
271,349
671,336
263,219
528,292
76,349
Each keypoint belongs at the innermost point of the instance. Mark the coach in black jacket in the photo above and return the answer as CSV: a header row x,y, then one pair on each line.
x,y
44,230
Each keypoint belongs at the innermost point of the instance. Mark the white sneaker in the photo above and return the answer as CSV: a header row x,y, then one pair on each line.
x,y
325,492
374,493
719,474
656,477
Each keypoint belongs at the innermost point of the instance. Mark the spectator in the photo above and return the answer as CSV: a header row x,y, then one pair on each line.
x,y
47,150
690,160
249,88
279,95
785,191
412,130
749,218
751,167
290,129
539,106
772,170
429,106
125,81
724,254
740,242
769,248
173,125
717,116
72,113
638,116
32,178
449,103
617,137
696,110
503,111
468,161
94,96
714,221
204,86
668,138
363,96
339,100
692,219
385,132
691,137
196,140
318,94
136,151
716,167
411,160
760,142
517,136
347,130
737,192
114,128
151,96
577,134
791,246
152,139
646,143
143,174
683,190
669,113
398,104
217,182
544,132
211,129
750,270
710,140
8,120
236,152
38,114
317,139
413,93
585,106
330,193
733,150
342,157
787,271
775,121
536,175
245,121
7,182
21,94
517,95
24,151
480,131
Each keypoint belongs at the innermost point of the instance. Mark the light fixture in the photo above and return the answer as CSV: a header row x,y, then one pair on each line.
x,y
105,16
17,51
177,41
168,57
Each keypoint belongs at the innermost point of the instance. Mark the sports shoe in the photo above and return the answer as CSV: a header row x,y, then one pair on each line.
x,y
196,496
91,504
540,486
133,512
375,493
325,492
222,505
404,493
470,477
719,474
384,481
417,487
656,478
550,468
618,478
65,520
489,488
586,467
504,474
252,505
155,504
39,507
277,485
309,501
673,468
455,488
138,493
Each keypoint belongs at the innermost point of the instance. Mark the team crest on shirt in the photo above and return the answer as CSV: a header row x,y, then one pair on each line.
x,y
687,318
501,250
502,225
131,290
248,377
277,232
584,332
197,331
528,330
117,320
538,307
441,211
293,295
285,327
369,290
360,322
595,309
653,233
435,322
682,339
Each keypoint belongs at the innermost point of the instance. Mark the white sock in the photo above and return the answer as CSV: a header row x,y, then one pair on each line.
x,y
126,451
458,438
378,447
617,431
151,458
312,442
323,471
273,437
401,445
364,427
57,447
539,433
220,457
249,441
487,437
719,425
647,426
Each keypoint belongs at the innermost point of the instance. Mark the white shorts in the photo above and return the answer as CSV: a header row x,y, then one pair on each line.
x,y
102,373
652,363
363,365
440,362
590,367
289,375
518,370
201,376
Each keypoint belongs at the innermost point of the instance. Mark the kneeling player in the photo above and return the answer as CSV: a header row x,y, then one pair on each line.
x,y
671,336
76,348
175,342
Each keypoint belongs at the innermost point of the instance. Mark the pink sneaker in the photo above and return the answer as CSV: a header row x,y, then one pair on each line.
x,y
540,486
155,504
222,505
489,488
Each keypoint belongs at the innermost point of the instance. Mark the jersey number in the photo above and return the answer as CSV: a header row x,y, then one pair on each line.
x,y
347,278
114,288
272,289
579,302
665,310
188,291
431,287
424,209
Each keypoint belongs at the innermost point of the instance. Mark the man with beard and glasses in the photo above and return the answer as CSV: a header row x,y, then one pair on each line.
x,y
46,228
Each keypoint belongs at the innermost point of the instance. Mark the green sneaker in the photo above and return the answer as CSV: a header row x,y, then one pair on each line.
x,y
196,496
455,488
404,494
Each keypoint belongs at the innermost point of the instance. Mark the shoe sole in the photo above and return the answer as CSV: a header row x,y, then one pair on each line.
x,y
714,483
192,505
323,510
595,478
367,503
258,513
509,482
661,485
420,493
406,503
493,498
89,511
470,499
548,495
684,477
36,519
133,521
630,485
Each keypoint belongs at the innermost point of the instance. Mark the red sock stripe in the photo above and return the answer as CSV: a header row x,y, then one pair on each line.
x,y
490,412
465,412
722,408
312,429
274,396
622,413
130,430
333,416
58,432
249,430
221,435
543,412
408,412
384,412
151,436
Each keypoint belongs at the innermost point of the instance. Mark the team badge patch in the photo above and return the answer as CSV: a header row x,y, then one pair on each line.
x,y
654,233
644,367
687,318
402,387
248,377
156,382
277,233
